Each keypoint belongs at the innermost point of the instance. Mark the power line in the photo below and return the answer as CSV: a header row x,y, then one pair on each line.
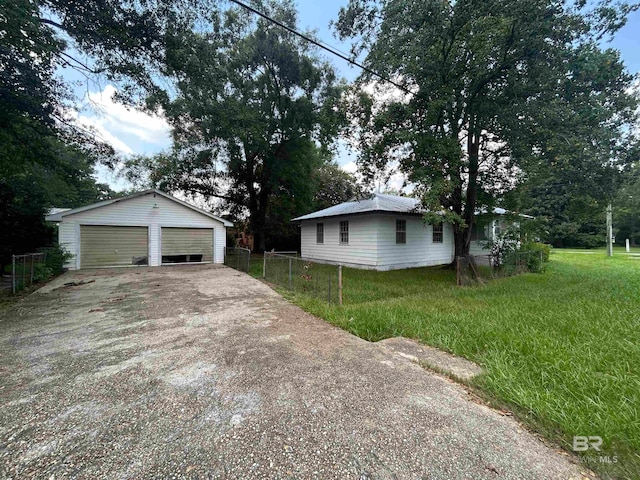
x,y
324,47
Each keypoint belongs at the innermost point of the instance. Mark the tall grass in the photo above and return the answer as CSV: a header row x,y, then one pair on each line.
x,y
562,348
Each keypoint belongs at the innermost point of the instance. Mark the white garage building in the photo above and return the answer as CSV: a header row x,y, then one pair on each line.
x,y
146,228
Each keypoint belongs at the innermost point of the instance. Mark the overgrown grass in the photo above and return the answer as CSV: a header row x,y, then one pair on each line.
x,y
562,348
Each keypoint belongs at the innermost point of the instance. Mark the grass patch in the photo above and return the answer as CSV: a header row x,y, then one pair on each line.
x,y
562,348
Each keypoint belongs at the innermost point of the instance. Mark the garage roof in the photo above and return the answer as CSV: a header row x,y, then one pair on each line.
x,y
58,216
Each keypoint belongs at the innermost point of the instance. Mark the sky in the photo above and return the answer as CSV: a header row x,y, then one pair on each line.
x,y
133,132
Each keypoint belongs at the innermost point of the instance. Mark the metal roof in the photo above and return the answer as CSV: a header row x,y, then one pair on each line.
x,y
57,216
380,202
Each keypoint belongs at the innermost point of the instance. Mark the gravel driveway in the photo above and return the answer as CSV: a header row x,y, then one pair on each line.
x,y
204,372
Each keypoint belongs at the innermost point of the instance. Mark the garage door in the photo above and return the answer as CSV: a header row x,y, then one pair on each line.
x,y
181,245
110,246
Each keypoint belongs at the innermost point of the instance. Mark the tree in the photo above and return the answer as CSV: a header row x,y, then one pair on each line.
x,y
122,40
489,90
333,186
578,170
626,208
44,161
569,194
254,114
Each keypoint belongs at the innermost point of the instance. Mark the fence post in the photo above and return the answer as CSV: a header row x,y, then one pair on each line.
x,y
290,287
24,272
339,284
264,265
13,273
248,261
32,258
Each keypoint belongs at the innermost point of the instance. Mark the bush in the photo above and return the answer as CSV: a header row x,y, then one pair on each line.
x,y
41,272
539,248
57,256
538,255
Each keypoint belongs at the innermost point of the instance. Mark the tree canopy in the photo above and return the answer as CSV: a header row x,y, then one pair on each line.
x,y
493,90
45,159
254,114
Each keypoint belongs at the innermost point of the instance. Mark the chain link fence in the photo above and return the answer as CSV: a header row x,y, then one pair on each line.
x,y
26,270
304,276
475,269
238,258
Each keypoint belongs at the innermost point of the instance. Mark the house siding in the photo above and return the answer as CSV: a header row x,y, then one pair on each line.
x,y
139,211
67,239
477,248
419,251
361,249
372,242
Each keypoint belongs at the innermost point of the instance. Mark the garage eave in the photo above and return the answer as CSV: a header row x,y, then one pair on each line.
x,y
58,217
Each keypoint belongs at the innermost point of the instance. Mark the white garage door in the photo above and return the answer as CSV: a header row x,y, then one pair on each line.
x,y
180,245
111,246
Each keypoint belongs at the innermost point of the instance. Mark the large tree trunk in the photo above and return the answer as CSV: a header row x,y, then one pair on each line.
x,y
458,230
462,233
458,241
258,238
258,200
257,221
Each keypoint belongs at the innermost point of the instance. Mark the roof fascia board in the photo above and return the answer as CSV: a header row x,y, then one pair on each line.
x,y
105,203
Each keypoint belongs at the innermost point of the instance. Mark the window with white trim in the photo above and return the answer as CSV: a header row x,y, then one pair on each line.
x,y
438,233
401,231
319,232
344,232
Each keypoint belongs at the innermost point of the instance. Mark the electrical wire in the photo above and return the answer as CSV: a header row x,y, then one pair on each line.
x,y
319,44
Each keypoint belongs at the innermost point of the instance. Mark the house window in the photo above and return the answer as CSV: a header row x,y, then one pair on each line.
x,y
401,231
344,232
479,233
319,232
437,233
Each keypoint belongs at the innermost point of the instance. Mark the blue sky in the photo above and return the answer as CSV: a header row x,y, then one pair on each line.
x,y
134,132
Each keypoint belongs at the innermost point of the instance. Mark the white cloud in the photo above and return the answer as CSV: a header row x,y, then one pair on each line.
x,y
94,125
350,167
119,119
126,129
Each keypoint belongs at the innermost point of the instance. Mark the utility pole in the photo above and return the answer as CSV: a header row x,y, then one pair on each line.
x,y
609,232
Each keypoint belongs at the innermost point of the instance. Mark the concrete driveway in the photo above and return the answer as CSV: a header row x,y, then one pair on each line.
x,y
204,372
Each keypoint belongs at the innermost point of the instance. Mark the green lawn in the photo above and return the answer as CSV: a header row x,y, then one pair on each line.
x,y
561,349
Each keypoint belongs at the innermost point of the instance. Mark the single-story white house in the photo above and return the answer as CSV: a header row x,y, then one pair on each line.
x,y
146,228
384,232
